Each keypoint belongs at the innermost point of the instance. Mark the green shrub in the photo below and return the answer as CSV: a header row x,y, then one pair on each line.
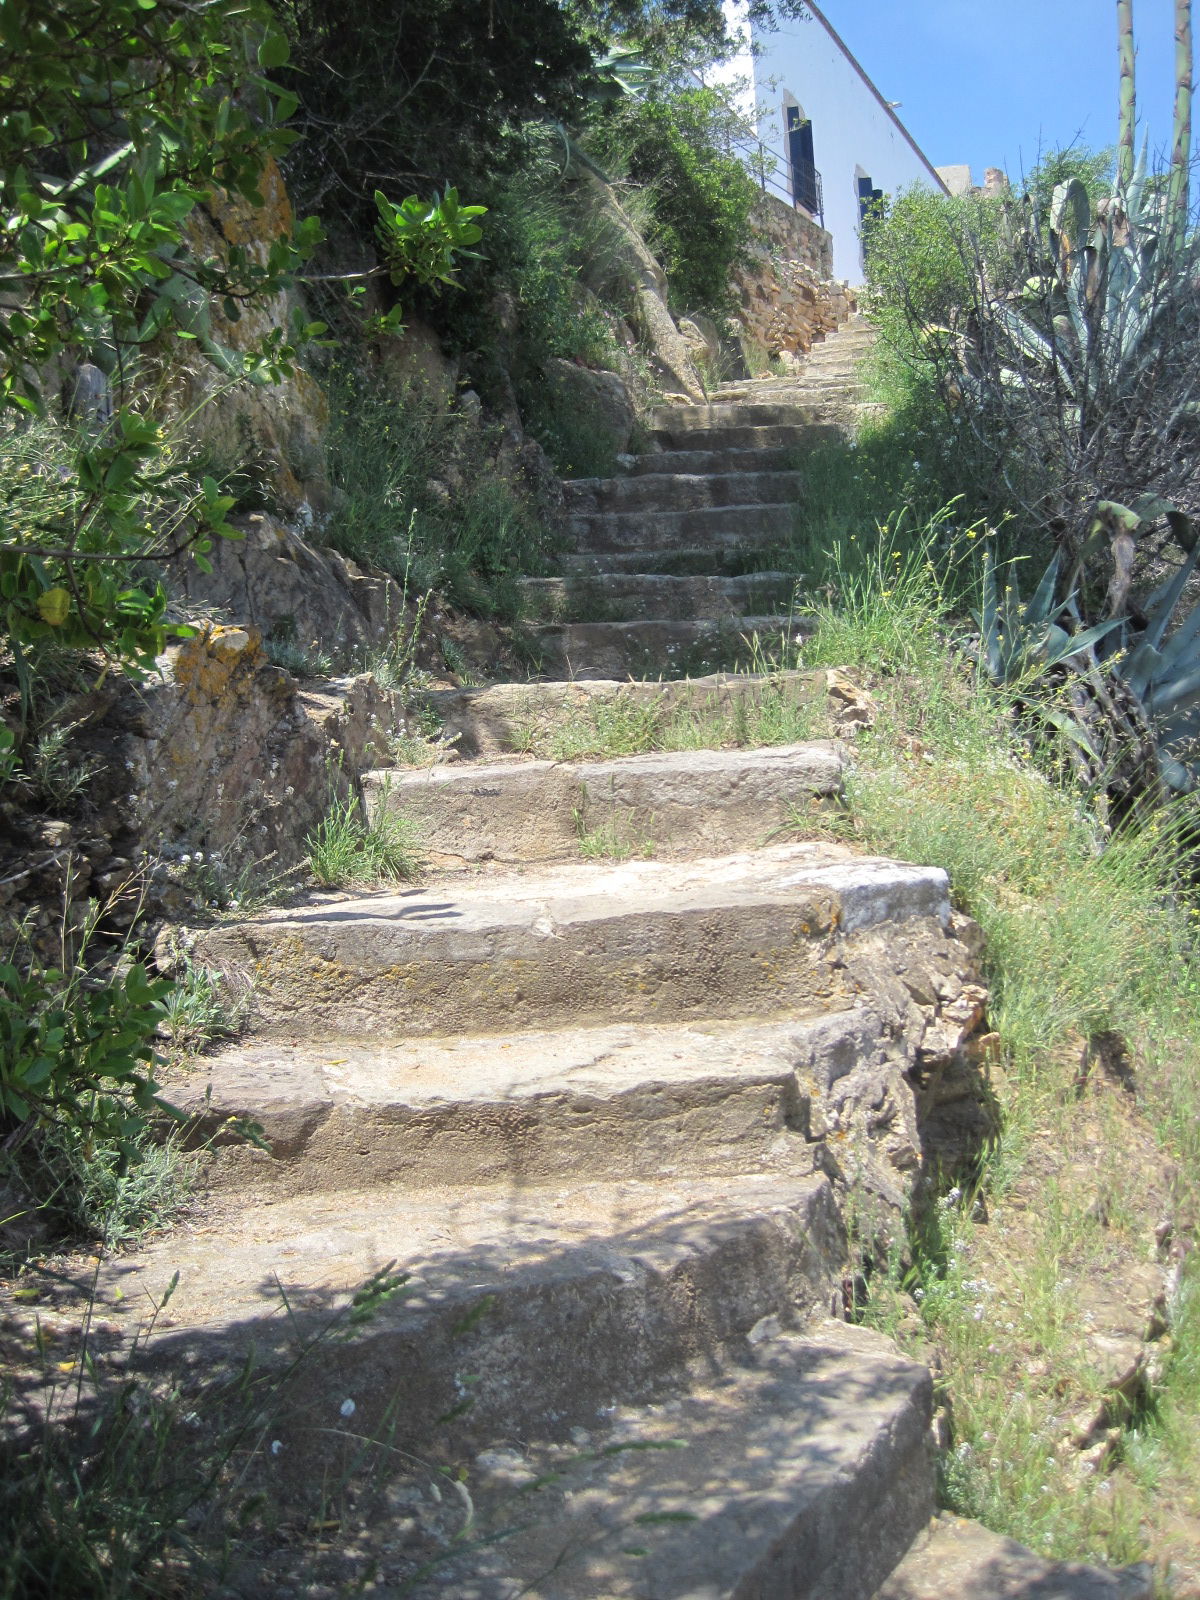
x,y
677,147
424,501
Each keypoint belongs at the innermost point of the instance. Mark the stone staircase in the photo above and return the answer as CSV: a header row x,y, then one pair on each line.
x,y
607,1116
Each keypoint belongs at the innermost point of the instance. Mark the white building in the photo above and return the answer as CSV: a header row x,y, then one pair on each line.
x,y
835,143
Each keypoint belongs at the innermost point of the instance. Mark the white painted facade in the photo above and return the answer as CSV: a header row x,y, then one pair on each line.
x,y
804,74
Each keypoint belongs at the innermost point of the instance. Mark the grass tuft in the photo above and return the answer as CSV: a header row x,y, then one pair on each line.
x,y
349,849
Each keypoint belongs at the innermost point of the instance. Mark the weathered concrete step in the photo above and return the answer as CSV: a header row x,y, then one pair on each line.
x,y
796,1473
637,596
553,1304
654,649
581,1105
954,1558
746,436
697,802
777,458
680,491
593,715
642,941
658,530
692,419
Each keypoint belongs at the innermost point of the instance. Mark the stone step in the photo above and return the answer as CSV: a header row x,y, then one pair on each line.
x,y
652,648
677,491
577,946
747,436
681,561
552,1304
701,418
796,1472
698,802
778,458
636,597
954,1558
746,525
510,718
583,1105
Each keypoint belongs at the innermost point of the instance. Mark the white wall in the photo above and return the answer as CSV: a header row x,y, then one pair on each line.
x,y
853,134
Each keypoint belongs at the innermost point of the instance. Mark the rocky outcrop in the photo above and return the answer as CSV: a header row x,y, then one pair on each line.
x,y
629,263
292,590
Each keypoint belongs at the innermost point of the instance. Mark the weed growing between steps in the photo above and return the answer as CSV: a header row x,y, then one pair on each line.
x,y
123,1474
1090,943
780,713
349,848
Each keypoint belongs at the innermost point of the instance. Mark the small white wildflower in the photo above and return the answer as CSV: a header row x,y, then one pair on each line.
x,y
347,1408
276,1446
955,1195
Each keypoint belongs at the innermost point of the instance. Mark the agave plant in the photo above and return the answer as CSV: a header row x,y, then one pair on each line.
x,y
1133,686
1019,637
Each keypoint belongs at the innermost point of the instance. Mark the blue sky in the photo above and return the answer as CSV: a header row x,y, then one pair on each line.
x,y
988,81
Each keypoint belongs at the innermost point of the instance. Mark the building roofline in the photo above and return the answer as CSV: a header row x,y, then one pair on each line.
x,y
820,17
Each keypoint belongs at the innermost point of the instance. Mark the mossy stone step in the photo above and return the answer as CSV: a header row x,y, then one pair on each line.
x,y
703,435
558,1301
598,717
798,1471
776,458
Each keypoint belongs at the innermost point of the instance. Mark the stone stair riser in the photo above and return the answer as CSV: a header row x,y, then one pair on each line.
x,y
695,462
672,492
689,419
538,810
799,1472
681,561
586,1106
639,942
739,436
645,649
645,596
712,526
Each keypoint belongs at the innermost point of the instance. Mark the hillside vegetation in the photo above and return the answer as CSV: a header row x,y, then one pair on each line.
x,y
1007,555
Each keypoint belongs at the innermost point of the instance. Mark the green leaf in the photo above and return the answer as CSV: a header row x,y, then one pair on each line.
x,y
273,51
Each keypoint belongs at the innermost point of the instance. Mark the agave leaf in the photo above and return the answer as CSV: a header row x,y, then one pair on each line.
x,y
989,618
1140,668
1181,640
1026,337
1175,694
1071,728
1161,604
1092,636
1041,607
1175,774
1071,212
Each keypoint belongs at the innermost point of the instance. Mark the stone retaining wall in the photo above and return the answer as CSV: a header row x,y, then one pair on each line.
x,y
789,298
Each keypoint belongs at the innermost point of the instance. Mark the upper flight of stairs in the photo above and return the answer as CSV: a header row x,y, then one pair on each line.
x,y
605,1114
